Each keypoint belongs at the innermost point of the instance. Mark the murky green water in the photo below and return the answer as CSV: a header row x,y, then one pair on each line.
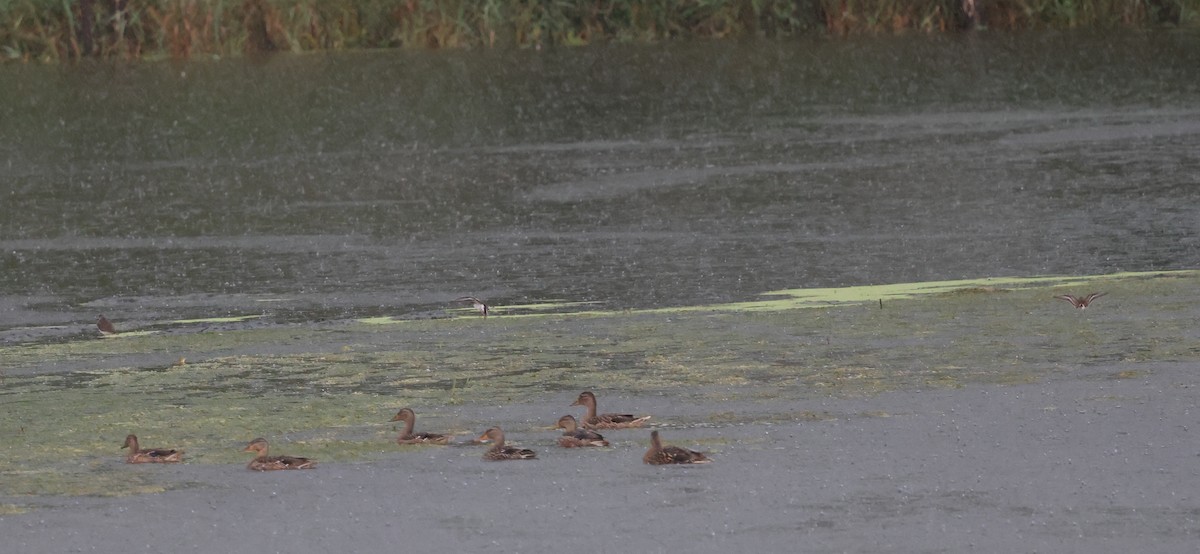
x,y
389,183
675,226
330,389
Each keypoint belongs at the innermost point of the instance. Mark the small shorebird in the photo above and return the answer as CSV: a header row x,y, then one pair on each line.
x,y
661,455
149,455
105,326
477,304
263,462
1081,302
500,451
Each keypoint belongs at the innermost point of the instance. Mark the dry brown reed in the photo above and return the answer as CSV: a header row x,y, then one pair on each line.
x,y
50,30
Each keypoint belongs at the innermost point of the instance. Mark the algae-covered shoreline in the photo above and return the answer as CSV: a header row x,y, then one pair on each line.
x,y
327,391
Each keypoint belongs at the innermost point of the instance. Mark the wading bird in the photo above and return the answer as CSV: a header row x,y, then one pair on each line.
x,y
477,304
1081,302
105,326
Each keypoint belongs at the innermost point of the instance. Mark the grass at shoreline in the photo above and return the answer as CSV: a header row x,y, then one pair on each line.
x,y
52,30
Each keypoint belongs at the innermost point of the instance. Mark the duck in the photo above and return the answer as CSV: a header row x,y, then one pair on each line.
x,y
105,326
500,451
605,421
574,437
661,455
150,455
408,437
263,462
476,303
1081,302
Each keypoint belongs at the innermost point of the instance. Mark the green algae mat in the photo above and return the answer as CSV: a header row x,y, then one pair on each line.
x,y
328,391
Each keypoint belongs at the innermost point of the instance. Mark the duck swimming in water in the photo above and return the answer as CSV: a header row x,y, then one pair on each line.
x,y
594,420
149,455
574,437
409,437
662,455
264,462
500,451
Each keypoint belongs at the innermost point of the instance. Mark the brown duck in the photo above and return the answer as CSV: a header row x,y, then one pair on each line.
x,y
263,462
500,451
574,437
149,455
1081,302
605,421
105,326
661,455
408,437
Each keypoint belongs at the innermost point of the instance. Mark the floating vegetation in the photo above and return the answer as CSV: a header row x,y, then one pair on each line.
x,y
328,391
231,319
127,334
12,509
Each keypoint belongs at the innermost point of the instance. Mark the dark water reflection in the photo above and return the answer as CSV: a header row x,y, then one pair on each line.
x,y
392,182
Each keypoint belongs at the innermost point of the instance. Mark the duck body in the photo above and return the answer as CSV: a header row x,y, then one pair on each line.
x,y
150,455
595,420
500,451
574,437
265,462
273,463
409,437
423,438
105,326
664,455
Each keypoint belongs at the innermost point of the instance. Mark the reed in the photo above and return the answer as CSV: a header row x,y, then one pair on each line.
x,y
50,30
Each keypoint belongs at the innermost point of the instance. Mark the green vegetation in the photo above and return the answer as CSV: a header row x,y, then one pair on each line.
x,y
51,30
62,431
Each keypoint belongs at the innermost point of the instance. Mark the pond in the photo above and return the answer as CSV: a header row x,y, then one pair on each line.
x,y
391,182
282,242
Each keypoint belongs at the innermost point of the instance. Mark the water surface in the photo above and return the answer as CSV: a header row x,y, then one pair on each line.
x,y
324,187
368,183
